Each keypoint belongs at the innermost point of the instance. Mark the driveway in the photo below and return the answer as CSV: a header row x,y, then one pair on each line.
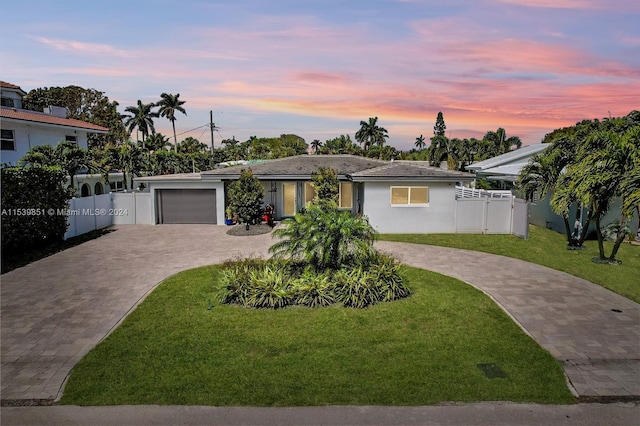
x,y
57,309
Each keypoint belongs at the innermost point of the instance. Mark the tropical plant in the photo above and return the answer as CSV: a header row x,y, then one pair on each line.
x,y
371,134
168,106
67,155
314,289
325,239
192,146
340,145
246,196
141,118
316,145
156,142
127,158
420,143
327,188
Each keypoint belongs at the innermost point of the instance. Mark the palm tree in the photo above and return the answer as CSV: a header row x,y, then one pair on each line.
x,y
127,158
443,149
498,143
141,118
316,145
156,142
66,155
371,134
169,104
420,143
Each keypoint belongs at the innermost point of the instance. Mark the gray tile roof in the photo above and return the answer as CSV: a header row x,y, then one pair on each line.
x,y
410,170
298,166
347,166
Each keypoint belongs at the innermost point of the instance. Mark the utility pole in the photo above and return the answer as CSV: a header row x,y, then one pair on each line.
x,y
212,126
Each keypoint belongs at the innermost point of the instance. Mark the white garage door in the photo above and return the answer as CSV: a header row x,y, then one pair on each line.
x,y
186,206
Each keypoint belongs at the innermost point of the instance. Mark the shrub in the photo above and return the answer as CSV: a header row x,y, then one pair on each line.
x,y
385,271
312,289
268,288
28,195
246,196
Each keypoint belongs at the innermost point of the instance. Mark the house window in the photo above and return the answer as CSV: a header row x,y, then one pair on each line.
x,y
409,195
98,189
72,139
116,186
346,195
8,140
7,102
309,193
85,190
289,199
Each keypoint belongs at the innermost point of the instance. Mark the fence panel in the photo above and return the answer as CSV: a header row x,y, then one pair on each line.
x,y
470,215
498,217
521,219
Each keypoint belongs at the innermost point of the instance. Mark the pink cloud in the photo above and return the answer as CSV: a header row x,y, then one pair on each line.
x,y
85,48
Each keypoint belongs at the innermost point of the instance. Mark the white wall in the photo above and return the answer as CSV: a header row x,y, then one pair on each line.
x,y
132,208
437,217
27,136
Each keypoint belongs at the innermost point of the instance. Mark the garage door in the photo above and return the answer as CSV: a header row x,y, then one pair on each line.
x,y
186,206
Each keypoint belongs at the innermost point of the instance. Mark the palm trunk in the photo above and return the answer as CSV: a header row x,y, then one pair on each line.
x,y
585,228
619,238
175,139
567,228
600,237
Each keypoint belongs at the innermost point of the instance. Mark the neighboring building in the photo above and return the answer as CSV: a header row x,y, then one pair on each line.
x,y
506,167
23,129
403,197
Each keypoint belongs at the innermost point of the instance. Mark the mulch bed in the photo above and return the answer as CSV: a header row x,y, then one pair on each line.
x,y
240,230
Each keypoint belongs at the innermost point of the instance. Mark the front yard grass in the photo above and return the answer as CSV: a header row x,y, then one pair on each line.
x,y
548,248
420,350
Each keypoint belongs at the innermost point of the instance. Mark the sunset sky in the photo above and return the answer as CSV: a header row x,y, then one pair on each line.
x,y
316,68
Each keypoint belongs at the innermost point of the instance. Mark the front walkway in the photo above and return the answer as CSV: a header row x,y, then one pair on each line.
x,y
55,310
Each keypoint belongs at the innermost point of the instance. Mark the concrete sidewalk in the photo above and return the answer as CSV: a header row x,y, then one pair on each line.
x,y
480,414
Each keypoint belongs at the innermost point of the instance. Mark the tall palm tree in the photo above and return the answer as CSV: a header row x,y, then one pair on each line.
x,y
371,134
170,104
316,145
420,143
141,118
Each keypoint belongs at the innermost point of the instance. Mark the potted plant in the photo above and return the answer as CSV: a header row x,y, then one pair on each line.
x,y
229,220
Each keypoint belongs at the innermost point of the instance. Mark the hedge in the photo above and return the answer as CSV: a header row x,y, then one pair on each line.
x,y
34,200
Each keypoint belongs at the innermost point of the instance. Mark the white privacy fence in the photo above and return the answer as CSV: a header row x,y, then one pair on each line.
x,y
498,213
87,214
464,192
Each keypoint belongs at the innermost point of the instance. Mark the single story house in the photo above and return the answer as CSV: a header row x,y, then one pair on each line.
x,y
396,196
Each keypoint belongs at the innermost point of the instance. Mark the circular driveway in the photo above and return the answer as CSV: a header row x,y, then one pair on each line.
x,y
57,309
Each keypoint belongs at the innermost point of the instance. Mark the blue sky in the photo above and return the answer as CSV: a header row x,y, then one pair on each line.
x,y
316,68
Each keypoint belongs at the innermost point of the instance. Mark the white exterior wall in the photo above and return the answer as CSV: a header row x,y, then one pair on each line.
x,y
29,135
218,186
437,217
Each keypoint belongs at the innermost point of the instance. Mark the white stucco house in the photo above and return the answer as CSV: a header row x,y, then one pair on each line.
x,y
22,129
397,196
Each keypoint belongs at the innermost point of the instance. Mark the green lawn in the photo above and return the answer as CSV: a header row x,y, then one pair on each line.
x,y
548,248
420,350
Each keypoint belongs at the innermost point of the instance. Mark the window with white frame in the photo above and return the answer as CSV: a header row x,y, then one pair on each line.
x,y
7,102
72,139
8,140
345,194
409,195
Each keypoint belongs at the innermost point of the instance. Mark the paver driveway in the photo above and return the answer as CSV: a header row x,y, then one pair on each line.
x,y
55,310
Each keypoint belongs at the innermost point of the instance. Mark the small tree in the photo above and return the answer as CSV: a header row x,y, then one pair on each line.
x,y
440,128
327,187
245,197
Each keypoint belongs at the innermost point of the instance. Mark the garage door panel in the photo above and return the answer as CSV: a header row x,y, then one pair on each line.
x,y
186,206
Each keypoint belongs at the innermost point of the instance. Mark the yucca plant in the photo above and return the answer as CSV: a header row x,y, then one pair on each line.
x,y
385,270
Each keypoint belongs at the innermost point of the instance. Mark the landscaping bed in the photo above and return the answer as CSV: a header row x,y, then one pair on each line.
x,y
181,347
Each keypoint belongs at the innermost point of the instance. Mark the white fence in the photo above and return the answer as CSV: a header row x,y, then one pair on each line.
x,y
492,216
87,214
464,192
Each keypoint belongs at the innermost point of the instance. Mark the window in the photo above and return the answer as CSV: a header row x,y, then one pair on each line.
x,y
289,199
98,189
85,190
7,102
345,199
72,139
409,195
8,141
116,186
309,192
345,194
